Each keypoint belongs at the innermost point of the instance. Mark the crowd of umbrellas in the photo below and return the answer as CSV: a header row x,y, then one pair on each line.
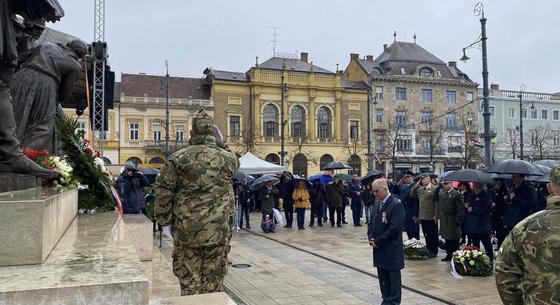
x,y
533,171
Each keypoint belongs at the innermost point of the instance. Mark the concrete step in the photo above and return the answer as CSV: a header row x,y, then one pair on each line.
x,y
219,298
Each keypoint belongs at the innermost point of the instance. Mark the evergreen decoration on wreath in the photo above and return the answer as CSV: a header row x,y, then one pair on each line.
x,y
87,166
414,248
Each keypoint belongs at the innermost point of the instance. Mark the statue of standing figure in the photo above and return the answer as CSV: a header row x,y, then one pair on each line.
x,y
11,158
45,79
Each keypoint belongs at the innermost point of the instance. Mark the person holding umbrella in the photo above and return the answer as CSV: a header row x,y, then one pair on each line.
x,y
286,191
477,218
245,196
424,191
411,208
518,202
268,194
301,202
451,213
317,194
499,194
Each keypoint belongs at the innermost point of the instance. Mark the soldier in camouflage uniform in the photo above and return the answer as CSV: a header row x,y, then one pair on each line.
x,y
527,265
195,196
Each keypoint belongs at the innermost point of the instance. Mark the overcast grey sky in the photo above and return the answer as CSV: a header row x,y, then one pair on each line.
x,y
523,38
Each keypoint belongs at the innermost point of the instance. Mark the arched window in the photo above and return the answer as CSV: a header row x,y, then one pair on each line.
x,y
325,159
106,161
356,164
426,72
157,160
270,119
300,165
135,160
298,122
272,158
324,119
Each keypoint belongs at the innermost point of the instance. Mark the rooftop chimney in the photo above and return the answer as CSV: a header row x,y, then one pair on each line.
x,y
494,87
453,64
304,56
369,57
354,56
385,47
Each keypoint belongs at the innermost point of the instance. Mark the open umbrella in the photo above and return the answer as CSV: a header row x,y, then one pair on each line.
x,y
239,176
260,181
544,178
336,165
373,174
344,177
322,178
297,179
547,163
150,173
469,175
515,167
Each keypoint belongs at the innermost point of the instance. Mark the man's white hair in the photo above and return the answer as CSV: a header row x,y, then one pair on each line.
x,y
381,182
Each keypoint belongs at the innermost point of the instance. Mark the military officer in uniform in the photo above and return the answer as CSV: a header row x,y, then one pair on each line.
x,y
528,260
451,215
195,196
385,237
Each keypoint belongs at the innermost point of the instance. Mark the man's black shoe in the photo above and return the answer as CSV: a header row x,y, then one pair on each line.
x,y
432,255
339,225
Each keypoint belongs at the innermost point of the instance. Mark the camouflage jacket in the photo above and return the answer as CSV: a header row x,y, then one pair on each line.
x,y
195,195
528,263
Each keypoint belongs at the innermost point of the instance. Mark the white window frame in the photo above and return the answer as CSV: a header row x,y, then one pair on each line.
x,y
557,115
179,130
544,111
510,109
134,131
536,112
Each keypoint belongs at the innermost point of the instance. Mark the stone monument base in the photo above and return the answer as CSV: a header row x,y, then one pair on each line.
x,y
32,222
16,182
139,229
94,263
219,298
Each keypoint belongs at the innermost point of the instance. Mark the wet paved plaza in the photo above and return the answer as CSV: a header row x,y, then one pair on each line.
x,y
324,265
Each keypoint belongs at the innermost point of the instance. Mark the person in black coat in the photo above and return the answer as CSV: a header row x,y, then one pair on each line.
x,y
287,186
518,202
477,218
368,200
131,184
499,194
411,207
355,191
245,198
385,237
317,194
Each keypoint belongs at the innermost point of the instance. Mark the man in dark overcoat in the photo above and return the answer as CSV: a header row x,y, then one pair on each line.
x,y
385,237
451,215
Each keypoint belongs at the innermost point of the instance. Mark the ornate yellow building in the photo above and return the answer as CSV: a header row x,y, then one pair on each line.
x,y
324,115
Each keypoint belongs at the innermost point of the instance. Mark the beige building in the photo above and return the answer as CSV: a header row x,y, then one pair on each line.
x,y
424,115
137,122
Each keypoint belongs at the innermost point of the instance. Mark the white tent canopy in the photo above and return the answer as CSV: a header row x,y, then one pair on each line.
x,y
251,165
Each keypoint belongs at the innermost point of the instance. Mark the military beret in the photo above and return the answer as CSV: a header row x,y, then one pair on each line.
x,y
554,175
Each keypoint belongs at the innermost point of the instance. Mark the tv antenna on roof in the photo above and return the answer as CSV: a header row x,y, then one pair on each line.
x,y
274,40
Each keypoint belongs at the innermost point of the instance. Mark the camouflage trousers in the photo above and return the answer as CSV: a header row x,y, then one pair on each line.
x,y
200,270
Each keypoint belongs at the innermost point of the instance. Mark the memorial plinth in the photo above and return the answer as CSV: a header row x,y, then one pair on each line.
x,y
219,298
16,182
32,222
94,263
139,229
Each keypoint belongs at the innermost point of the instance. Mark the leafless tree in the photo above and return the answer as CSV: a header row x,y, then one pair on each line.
x,y
471,147
248,142
354,147
540,140
513,141
391,137
434,136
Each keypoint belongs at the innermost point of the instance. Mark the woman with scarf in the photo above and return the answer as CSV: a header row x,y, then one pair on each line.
x,y
301,202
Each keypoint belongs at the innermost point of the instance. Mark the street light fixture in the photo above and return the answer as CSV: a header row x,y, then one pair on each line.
x,y
521,104
479,11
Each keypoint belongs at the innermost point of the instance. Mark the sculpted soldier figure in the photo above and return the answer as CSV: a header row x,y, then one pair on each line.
x,y
194,195
528,260
11,157
46,77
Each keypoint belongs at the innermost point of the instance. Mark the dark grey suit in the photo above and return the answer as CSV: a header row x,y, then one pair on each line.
x,y
385,228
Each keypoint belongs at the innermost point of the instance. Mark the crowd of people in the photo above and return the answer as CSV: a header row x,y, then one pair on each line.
x,y
459,213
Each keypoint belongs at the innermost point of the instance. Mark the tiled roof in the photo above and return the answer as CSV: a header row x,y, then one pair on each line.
x,y
277,63
406,51
348,84
227,75
151,85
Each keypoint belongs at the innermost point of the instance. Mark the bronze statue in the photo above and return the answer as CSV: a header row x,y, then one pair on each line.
x,y
45,79
11,157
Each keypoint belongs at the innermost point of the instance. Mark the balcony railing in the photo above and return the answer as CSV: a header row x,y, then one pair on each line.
x,y
455,149
160,145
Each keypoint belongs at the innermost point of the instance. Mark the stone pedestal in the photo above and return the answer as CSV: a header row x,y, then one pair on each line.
x,y
32,222
16,182
139,229
219,298
94,263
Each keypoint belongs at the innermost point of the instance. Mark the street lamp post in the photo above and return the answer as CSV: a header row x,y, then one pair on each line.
x,y
369,159
166,111
479,11
282,123
521,155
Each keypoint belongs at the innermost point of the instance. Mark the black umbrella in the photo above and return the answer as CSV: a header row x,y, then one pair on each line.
x,y
469,175
547,163
374,174
259,182
150,173
544,178
344,177
336,165
515,167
